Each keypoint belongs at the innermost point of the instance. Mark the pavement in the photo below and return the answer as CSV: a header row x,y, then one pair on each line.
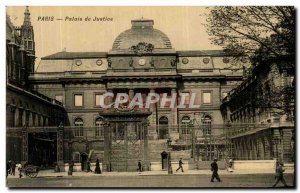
x,y
51,173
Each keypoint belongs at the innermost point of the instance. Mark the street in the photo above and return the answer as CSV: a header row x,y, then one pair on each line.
x,y
167,181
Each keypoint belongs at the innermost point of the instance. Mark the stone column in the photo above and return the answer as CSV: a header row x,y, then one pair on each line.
x,y
153,119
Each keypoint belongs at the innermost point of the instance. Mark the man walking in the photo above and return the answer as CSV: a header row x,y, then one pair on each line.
x,y
139,166
180,165
214,169
279,175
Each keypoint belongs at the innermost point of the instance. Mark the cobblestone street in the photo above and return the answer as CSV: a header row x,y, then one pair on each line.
x,y
143,180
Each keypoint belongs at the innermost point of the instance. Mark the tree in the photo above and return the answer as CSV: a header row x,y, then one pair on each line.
x,y
256,32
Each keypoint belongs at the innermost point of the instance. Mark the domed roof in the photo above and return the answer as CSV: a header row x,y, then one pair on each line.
x,y
142,31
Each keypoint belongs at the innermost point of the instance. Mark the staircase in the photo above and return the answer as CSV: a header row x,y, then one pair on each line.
x,y
155,148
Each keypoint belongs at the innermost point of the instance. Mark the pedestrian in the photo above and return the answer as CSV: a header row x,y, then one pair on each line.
x,y
19,168
97,169
139,166
279,174
180,163
9,167
214,169
71,165
89,166
229,165
13,168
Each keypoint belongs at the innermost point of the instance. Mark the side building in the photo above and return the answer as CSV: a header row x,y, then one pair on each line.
x,y
29,114
260,113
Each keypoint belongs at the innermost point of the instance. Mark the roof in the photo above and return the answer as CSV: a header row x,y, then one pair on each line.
x,y
203,53
74,55
142,31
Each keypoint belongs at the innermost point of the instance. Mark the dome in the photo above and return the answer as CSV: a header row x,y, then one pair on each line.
x,y
142,31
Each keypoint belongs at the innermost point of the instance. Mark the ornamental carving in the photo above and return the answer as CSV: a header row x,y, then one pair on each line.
x,y
142,48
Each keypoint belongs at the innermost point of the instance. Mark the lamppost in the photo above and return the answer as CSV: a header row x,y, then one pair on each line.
x,y
276,141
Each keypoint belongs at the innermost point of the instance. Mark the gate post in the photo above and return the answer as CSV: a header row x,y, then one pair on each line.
x,y
60,147
24,145
145,125
107,146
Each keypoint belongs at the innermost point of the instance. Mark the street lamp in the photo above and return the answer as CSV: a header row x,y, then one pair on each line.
x,y
276,141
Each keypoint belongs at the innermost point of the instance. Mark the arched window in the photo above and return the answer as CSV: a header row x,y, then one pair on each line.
x,y
163,127
78,127
99,127
185,122
163,120
207,125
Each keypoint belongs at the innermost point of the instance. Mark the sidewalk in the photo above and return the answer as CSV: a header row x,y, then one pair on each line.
x,y
51,173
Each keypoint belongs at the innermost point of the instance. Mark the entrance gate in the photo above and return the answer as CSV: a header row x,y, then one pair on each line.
x,y
125,139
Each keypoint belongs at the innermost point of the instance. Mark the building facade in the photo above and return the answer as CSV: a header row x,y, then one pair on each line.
x,y
142,60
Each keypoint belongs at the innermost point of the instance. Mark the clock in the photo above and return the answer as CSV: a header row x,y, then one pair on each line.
x,y
142,62
78,62
99,62
185,60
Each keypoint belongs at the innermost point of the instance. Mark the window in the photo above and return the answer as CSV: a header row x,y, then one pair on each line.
x,y
186,121
59,98
99,127
98,98
206,97
207,125
163,127
30,47
78,100
78,127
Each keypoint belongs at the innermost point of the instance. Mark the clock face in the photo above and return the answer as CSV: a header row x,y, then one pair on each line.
x,y
142,62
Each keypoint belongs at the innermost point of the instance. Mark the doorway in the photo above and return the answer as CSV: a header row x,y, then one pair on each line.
x,y
84,158
164,160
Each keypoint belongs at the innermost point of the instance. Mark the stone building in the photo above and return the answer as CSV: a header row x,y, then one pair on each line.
x,y
142,60
28,113
260,113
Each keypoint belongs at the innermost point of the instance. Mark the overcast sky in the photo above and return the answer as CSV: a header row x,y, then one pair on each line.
x,y
183,25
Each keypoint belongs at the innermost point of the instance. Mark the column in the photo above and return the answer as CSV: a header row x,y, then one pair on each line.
x,y
174,111
153,116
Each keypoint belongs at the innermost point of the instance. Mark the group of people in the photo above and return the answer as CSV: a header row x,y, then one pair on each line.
x,y
89,169
10,168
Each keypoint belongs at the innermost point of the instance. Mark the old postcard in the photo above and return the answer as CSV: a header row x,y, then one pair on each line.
x,y
150,97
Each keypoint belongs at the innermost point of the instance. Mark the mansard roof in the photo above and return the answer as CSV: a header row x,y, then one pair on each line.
x,y
74,55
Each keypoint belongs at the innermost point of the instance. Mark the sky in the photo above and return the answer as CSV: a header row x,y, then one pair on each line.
x,y
183,26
